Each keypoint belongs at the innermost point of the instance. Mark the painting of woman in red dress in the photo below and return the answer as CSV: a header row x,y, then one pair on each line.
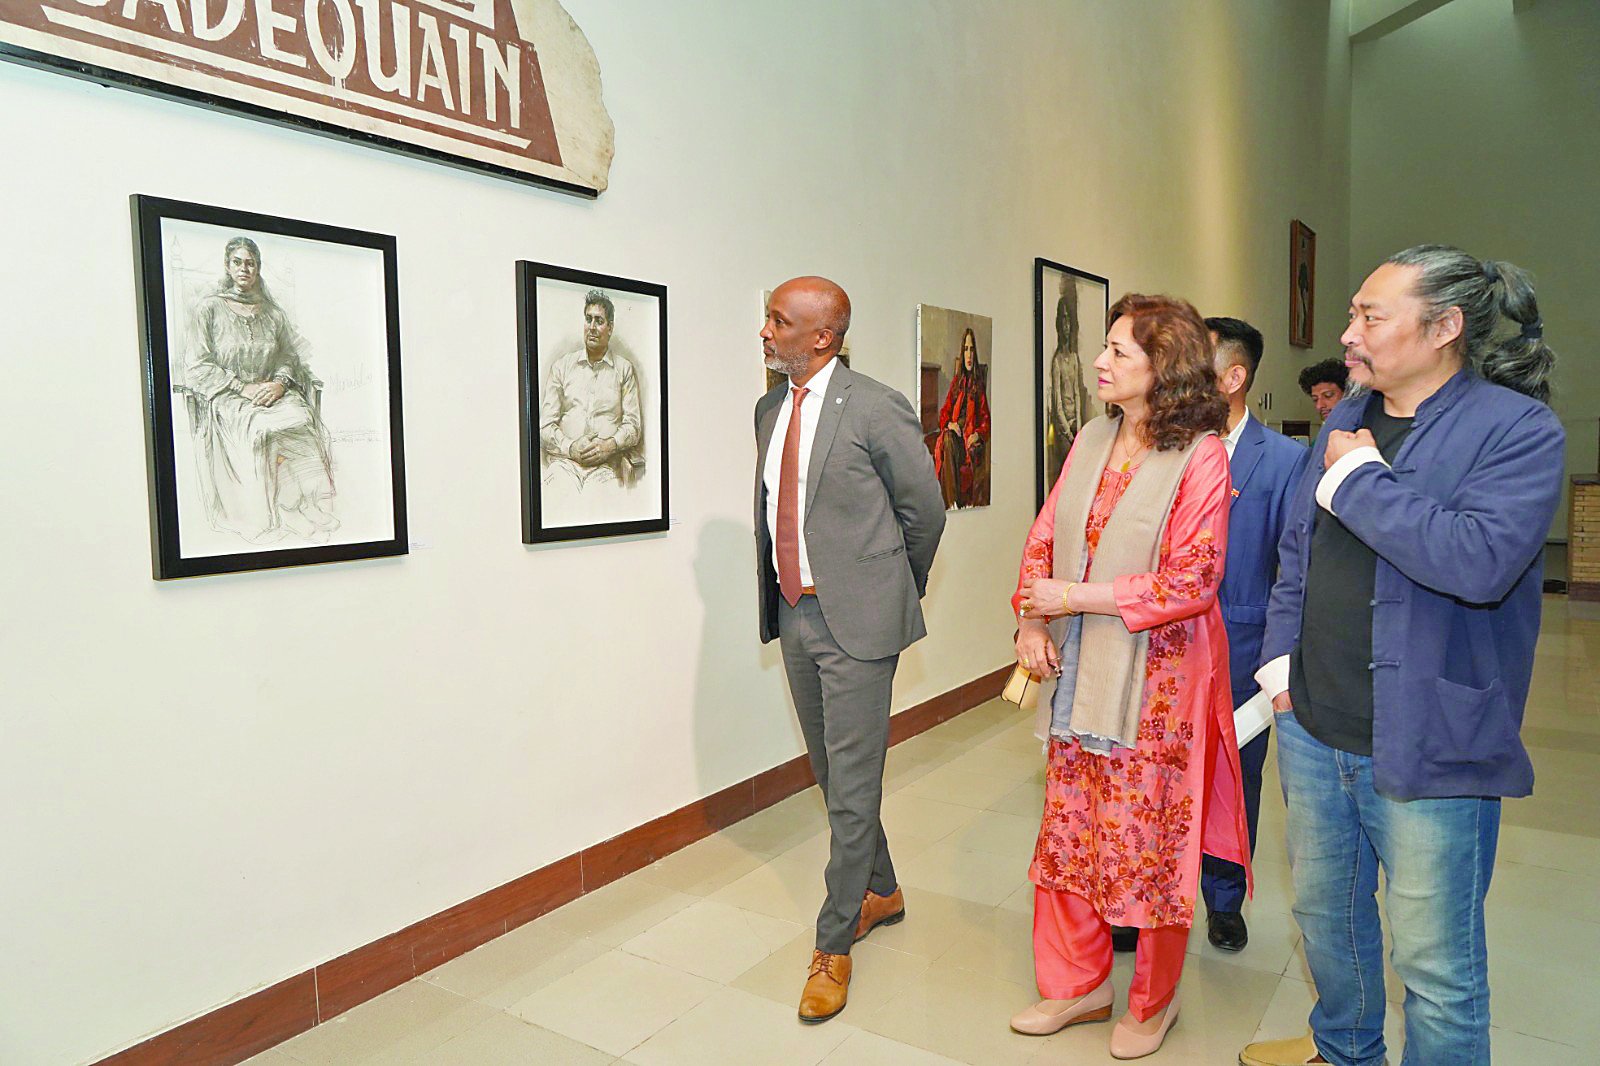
x,y
961,456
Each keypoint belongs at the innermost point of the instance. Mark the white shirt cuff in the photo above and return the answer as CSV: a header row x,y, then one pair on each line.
x,y
1343,468
1273,677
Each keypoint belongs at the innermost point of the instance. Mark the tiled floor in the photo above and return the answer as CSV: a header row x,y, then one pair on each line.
x,y
700,958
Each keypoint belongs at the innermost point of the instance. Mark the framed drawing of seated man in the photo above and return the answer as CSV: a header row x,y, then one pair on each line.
x,y
593,359
272,390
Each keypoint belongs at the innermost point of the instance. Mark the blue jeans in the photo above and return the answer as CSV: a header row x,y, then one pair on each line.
x,y
1437,856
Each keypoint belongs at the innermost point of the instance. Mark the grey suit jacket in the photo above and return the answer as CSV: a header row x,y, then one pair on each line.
x,y
873,516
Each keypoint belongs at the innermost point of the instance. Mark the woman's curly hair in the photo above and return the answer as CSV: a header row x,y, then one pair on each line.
x,y
1184,400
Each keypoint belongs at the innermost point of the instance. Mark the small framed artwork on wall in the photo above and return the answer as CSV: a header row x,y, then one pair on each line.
x,y
593,363
1069,332
954,359
1302,283
272,390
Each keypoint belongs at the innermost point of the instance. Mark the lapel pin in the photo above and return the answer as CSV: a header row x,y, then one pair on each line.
x,y
1235,493
838,399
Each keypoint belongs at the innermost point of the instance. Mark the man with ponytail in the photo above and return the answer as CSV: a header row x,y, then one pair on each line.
x,y
1399,648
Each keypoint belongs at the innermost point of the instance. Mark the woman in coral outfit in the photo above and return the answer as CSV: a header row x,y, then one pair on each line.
x,y
1118,605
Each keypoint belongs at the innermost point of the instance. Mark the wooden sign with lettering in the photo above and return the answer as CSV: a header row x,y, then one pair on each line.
x,y
510,87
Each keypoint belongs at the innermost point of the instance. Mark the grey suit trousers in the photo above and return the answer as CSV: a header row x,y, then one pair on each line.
x,y
843,707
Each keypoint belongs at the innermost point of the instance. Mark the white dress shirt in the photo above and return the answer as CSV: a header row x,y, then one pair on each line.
x,y
810,414
1231,441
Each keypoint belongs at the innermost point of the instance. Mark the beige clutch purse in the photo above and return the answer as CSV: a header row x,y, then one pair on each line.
x,y
1022,688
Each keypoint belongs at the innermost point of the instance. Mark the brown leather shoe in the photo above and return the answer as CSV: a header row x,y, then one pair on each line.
x,y
879,910
827,986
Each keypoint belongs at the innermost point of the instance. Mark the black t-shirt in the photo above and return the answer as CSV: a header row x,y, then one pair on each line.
x,y
1330,680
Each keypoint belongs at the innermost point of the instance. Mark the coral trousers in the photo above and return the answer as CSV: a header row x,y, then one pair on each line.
x,y
1072,953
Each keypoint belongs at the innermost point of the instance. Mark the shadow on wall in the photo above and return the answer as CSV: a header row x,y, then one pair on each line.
x,y
734,708
735,711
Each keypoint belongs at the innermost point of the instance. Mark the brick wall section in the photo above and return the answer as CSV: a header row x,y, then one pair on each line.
x,y
1583,536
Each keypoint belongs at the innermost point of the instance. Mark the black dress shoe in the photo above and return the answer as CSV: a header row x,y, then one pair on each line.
x,y
1226,930
1124,938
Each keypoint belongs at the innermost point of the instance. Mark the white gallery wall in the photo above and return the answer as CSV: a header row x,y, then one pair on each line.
x,y
1499,155
209,785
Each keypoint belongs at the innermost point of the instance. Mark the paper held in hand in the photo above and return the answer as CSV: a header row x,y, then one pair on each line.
x,y
1251,717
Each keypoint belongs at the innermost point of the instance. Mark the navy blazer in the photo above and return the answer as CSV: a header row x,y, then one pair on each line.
x,y
1266,467
1458,523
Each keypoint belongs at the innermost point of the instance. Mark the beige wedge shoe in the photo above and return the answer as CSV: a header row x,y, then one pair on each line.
x,y
1131,1039
1042,1020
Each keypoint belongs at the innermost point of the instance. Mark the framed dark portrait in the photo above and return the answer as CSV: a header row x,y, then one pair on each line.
x,y
1302,283
271,352
592,356
1069,319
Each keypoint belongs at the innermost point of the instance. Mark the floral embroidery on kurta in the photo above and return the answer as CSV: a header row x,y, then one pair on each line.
x,y
1125,830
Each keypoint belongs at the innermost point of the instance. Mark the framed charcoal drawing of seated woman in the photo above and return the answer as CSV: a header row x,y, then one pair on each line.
x,y
272,390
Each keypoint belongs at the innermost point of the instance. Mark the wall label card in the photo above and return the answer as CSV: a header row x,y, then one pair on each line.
x,y
509,87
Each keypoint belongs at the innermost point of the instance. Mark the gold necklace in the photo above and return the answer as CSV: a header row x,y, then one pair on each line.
x,y
1128,456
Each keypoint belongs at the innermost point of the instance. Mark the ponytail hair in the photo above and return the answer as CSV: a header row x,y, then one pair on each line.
x,y
1487,292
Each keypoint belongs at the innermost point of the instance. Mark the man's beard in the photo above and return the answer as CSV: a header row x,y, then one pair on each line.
x,y
779,365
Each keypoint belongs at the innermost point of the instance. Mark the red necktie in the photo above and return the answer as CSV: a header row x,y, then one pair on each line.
x,y
788,531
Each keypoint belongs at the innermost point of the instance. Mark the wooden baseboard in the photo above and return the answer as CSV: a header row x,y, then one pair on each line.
x,y
1583,590
249,1026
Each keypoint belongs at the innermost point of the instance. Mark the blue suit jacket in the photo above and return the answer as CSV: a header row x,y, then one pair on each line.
x,y
1266,467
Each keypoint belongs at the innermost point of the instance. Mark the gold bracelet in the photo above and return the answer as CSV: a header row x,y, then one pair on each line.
x,y
1064,593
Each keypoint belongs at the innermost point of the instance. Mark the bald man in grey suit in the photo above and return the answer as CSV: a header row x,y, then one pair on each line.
x,y
848,515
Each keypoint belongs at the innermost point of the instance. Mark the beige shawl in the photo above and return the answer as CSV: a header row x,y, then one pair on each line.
x,y
1108,682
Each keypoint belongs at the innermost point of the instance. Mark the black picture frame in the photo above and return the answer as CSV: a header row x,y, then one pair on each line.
x,y
540,522
1044,476
162,394
1302,284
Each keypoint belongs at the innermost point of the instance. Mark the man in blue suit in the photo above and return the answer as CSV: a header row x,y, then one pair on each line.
x,y
1266,467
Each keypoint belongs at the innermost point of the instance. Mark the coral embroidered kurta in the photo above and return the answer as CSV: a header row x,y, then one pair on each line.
x,y
1126,830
